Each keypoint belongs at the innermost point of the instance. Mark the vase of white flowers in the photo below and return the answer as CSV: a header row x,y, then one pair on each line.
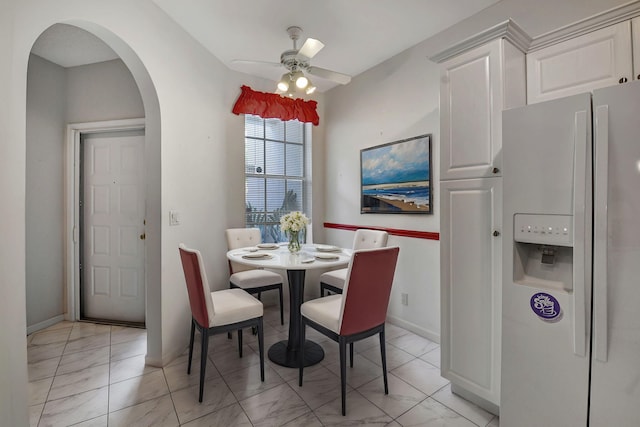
x,y
292,224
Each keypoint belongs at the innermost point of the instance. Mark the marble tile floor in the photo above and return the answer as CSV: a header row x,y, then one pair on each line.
x,y
85,374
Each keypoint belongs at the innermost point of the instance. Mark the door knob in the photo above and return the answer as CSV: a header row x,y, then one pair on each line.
x,y
143,236
496,233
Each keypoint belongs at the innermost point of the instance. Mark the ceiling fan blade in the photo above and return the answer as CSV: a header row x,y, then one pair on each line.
x,y
310,48
343,79
249,61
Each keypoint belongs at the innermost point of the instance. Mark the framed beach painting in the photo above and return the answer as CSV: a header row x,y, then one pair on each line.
x,y
396,177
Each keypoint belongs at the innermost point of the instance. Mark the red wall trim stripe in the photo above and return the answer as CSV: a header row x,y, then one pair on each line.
x,y
394,231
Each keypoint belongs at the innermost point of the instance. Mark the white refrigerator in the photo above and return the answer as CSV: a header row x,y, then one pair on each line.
x,y
571,266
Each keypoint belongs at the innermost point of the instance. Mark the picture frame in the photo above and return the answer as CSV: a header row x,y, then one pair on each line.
x,y
396,177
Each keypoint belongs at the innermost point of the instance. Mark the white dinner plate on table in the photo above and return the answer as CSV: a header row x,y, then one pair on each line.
x,y
268,246
257,255
327,257
327,248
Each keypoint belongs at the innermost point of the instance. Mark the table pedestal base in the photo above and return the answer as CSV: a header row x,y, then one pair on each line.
x,y
279,354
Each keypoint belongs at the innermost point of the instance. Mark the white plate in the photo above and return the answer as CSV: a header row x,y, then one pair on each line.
x,y
327,257
257,255
327,248
268,246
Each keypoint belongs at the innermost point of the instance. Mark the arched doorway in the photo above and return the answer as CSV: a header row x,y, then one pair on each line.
x,y
64,236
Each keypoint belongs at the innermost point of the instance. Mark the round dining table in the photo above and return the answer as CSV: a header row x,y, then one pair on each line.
x,y
278,257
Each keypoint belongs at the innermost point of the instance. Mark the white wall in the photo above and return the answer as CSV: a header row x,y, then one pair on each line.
x,y
102,91
46,99
13,343
395,100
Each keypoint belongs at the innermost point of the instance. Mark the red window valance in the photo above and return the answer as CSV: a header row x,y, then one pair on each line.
x,y
274,106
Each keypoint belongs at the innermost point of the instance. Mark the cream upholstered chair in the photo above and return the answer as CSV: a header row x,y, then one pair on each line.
x,y
217,312
359,312
364,239
254,281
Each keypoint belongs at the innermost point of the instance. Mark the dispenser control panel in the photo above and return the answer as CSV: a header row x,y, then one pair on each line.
x,y
556,230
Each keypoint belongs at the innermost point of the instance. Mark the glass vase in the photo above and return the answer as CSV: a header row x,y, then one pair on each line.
x,y
294,242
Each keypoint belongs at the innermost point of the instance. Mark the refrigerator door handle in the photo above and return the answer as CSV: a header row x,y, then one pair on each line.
x,y
600,233
580,179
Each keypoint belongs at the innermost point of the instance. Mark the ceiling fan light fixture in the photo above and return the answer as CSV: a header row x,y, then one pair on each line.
x,y
283,84
310,89
302,82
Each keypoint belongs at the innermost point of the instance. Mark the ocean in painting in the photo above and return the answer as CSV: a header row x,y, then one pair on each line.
x,y
418,195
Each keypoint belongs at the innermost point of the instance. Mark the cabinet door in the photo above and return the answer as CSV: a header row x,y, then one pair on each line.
x,y
475,87
598,59
470,256
635,32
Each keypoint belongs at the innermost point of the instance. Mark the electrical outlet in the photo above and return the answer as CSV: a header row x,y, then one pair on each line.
x,y
405,299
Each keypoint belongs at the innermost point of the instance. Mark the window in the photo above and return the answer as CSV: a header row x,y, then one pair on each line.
x,y
275,173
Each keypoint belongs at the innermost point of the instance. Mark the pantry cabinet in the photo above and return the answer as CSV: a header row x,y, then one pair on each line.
x,y
476,86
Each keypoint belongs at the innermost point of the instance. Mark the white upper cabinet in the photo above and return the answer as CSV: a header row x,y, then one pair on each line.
x,y
475,87
597,59
635,32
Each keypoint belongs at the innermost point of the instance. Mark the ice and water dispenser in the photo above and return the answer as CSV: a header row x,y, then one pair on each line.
x,y
543,251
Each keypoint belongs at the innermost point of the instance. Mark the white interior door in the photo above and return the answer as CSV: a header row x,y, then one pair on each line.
x,y
112,226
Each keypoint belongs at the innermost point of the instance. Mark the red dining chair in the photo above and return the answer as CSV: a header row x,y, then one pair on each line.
x,y
217,312
359,312
364,239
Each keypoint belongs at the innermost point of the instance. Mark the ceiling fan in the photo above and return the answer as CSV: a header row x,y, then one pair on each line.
x,y
296,61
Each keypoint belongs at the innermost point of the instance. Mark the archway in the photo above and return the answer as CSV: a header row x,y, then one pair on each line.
x,y
152,175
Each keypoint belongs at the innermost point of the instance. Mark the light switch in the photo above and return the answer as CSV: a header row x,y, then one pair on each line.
x,y
174,218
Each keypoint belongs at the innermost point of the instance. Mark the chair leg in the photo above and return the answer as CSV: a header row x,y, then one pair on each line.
x,y
261,348
240,342
301,351
193,332
229,333
259,296
203,360
383,355
321,290
351,354
281,307
343,373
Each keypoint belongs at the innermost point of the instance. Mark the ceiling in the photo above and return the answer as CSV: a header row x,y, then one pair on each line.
x,y
358,34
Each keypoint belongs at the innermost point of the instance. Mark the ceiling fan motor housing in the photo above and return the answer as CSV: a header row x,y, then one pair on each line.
x,y
292,62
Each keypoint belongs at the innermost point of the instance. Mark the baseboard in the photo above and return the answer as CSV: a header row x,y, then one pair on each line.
x,y
166,359
45,324
412,327
467,395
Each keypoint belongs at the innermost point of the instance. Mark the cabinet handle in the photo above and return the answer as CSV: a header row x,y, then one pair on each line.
x,y
495,170
143,236
638,78
622,80
496,233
